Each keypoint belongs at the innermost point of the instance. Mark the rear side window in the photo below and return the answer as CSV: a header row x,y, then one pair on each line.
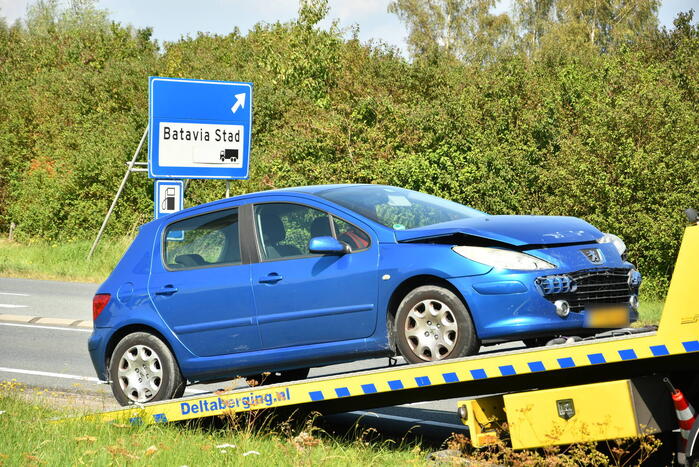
x,y
201,241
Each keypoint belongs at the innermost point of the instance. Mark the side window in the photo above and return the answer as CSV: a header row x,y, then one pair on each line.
x,y
356,238
285,229
206,240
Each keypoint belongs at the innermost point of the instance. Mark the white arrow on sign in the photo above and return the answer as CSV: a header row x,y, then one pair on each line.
x,y
239,102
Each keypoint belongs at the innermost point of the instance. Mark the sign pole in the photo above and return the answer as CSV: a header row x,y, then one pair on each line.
x,y
228,188
121,188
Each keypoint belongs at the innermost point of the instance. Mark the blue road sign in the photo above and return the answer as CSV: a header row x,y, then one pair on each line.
x,y
168,197
199,129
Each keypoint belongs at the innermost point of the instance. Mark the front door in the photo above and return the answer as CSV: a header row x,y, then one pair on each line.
x,y
201,288
304,298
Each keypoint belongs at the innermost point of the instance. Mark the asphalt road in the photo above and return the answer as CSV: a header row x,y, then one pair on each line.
x,y
56,357
49,299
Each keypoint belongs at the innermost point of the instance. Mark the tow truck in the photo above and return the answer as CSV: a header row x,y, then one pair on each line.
x,y
607,387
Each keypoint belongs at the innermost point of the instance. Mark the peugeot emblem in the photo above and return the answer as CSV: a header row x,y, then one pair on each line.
x,y
594,255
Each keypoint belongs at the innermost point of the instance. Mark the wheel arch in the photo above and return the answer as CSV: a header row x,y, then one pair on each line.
x,y
404,289
130,329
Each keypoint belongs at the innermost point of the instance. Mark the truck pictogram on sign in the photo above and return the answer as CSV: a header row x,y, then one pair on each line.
x,y
229,154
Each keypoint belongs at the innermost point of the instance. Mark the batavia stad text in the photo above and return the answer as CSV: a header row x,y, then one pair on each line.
x,y
180,134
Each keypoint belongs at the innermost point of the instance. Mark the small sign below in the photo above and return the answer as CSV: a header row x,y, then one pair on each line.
x,y
169,197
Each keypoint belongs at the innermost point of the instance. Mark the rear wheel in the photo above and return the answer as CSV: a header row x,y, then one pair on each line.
x,y
432,324
143,369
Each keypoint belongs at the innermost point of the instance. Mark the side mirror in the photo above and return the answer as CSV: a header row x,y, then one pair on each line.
x,y
692,215
327,246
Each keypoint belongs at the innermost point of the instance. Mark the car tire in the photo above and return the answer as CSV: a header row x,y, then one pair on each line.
x,y
262,379
143,369
432,323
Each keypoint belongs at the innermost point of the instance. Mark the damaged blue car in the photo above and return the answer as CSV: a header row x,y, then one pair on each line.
x,y
284,280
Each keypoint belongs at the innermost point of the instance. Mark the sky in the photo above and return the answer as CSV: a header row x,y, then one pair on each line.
x,y
171,19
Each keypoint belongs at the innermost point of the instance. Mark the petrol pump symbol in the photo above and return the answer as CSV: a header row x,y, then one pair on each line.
x,y
168,204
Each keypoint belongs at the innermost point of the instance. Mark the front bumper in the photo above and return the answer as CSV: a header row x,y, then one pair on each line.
x,y
507,306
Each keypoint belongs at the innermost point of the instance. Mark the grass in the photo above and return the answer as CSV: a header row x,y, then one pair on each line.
x,y
649,311
65,262
30,436
35,430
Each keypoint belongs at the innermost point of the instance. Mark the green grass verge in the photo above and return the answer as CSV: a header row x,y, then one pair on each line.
x,y
649,312
34,430
65,262
29,436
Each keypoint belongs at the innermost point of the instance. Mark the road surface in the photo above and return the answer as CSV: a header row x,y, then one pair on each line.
x,y
44,327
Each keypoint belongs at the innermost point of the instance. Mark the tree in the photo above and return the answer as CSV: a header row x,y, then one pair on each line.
x,y
601,24
464,29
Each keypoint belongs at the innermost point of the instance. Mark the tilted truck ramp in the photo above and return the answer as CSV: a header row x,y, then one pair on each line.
x,y
673,348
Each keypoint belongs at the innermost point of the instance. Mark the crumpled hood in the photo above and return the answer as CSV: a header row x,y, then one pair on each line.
x,y
513,230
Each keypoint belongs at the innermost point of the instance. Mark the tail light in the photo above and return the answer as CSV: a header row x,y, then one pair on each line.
x,y
98,303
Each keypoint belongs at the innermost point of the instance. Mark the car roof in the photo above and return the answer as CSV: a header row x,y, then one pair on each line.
x,y
314,189
308,190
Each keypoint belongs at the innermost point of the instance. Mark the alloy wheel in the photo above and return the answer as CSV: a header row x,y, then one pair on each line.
x,y
431,330
140,373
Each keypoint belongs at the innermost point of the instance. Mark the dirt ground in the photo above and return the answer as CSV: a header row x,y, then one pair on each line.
x,y
80,401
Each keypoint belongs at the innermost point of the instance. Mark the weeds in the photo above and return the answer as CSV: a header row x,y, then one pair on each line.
x,y
66,261
619,452
28,436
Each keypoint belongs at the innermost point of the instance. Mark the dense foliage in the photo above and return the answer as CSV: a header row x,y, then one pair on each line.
x,y
608,135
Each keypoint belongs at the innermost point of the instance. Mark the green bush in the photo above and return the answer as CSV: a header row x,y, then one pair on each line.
x,y
610,137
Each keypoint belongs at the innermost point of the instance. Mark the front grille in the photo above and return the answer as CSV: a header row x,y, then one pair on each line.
x,y
590,287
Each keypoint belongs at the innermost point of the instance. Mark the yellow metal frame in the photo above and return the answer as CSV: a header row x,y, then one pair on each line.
x,y
571,414
677,334
602,411
485,418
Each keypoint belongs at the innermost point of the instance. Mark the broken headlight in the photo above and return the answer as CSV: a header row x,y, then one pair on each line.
x,y
503,259
614,240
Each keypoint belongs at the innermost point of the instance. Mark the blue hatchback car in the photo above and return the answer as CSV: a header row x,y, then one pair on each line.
x,y
281,281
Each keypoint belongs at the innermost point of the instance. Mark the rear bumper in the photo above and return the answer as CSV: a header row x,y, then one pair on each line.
x,y
97,346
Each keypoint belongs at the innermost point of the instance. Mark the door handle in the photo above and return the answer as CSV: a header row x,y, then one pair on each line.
x,y
271,278
167,290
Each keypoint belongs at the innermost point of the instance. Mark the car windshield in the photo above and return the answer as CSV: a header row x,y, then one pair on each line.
x,y
398,208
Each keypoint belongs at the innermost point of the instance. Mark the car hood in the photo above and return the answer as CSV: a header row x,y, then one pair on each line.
x,y
513,230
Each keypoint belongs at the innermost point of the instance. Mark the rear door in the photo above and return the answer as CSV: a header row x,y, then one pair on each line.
x,y
304,298
200,284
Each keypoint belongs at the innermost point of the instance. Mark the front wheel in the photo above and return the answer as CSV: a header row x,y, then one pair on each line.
x,y
432,324
143,369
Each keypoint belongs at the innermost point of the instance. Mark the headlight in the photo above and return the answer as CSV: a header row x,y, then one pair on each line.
x,y
503,259
614,240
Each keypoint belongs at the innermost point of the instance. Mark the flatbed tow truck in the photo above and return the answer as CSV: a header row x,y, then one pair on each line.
x,y
602,388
